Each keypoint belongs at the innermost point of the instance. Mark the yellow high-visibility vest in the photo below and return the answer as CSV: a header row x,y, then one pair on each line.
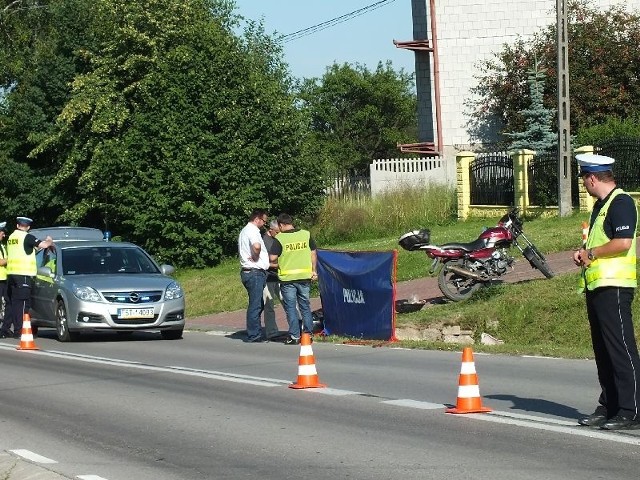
x,y
618,271
3,268
18,262
294,263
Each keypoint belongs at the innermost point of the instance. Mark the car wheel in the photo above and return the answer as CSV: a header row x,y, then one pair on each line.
x,y
62,324
171,334
34,330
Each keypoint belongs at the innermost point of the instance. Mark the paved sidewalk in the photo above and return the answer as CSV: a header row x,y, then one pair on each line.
x,y
425,288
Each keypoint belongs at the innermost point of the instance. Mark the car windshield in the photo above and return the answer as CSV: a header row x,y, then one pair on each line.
x,y
106,260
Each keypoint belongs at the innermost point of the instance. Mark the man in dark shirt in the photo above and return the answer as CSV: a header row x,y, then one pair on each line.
x,y
271,330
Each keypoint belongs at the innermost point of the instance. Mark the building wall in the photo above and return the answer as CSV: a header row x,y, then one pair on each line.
x,y
472,30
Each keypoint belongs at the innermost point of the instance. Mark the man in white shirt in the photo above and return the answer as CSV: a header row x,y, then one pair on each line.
x,y
254,263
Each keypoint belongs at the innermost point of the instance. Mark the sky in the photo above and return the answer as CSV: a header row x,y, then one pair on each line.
x,y
365,39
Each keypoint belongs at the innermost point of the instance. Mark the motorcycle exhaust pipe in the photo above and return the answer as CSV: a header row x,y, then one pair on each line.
x,y
463,272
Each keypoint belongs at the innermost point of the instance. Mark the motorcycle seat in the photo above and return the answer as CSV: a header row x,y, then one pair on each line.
x,y
477,244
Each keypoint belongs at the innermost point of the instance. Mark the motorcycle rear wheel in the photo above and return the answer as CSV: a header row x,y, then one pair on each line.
x,y
454,286
537,260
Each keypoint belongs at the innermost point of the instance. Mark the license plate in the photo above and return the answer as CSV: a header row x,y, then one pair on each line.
x,y
135,313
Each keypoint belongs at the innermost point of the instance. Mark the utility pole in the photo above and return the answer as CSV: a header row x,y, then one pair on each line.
x,y
564,125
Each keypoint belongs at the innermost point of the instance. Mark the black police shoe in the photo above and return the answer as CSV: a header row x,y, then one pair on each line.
x,y
596,419
620,422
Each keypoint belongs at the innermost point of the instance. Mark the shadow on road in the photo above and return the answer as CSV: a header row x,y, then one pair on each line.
x,y
538,405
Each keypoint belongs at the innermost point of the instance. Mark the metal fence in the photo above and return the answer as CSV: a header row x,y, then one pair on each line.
x,y
492,177
491,181
542,174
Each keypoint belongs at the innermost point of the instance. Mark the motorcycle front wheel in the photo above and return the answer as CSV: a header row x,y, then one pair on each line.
x,y
537,260
454,286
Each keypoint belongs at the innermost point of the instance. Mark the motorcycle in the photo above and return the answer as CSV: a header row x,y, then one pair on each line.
x,y
463,268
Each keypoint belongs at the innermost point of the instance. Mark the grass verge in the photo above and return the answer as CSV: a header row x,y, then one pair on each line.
x,y
540,317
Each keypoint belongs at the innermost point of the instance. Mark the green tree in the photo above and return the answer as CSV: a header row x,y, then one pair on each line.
x,y
603,58
36,69
537,134
358,115
171,127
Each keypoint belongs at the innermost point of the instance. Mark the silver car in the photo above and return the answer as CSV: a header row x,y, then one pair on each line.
x,y
87,284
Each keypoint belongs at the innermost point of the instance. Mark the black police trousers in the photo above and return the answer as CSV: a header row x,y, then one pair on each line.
x,y
615,349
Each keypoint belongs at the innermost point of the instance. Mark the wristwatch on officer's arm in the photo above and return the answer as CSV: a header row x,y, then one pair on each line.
x,y
590,255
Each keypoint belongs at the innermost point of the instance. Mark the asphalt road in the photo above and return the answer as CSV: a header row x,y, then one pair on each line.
x,y
211,406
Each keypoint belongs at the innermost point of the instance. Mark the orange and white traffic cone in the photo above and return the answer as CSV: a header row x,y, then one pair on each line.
x,y
26,336
468,389
307,374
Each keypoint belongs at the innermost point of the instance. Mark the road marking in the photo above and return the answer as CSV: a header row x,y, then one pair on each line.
x,y
34,457
534,418
544,424
332,391
90,477
512,418
405,402
229,377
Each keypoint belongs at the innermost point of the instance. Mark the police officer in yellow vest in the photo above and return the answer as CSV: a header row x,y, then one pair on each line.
x,y
609,281
22,269
293,252
6,319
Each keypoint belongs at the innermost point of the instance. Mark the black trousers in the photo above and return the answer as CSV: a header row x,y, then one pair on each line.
x,y
615,349
19,298
7,319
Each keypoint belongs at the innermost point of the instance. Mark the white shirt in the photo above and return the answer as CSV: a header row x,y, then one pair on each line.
x,y
249,235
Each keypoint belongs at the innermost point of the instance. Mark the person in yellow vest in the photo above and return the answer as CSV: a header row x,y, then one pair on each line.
x,y
294,254
22,269
608,262
5,328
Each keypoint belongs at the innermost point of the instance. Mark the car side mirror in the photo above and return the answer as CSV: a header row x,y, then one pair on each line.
x,y
167,269
45,272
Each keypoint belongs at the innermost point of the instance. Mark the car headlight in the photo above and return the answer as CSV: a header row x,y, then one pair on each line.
x,y
174,290
87,294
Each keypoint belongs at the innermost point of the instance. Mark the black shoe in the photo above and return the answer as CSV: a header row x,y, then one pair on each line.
x,y
255,340
596,419
6,334
292,341
17,335
620,422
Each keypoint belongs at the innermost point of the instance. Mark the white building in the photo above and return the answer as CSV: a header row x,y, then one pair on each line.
x,y
469,31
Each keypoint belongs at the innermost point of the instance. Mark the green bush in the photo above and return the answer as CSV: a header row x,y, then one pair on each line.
x,y
613,127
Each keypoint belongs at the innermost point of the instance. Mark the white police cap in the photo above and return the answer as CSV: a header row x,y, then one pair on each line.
x,y
590,163
24,220
3,225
